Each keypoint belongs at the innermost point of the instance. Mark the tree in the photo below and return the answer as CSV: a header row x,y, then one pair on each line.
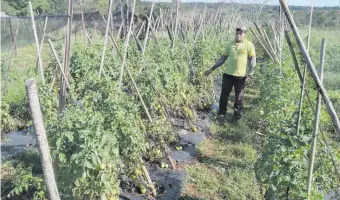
x,y
20,7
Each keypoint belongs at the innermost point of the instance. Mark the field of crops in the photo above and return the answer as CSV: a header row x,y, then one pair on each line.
x,y
130,114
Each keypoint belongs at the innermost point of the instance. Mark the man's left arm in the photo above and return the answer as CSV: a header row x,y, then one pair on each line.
x,y
251,65
251,60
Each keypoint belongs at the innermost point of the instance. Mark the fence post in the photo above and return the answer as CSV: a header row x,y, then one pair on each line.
x,y
45,156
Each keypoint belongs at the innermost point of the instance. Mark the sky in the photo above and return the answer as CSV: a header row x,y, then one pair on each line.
x,y
318,3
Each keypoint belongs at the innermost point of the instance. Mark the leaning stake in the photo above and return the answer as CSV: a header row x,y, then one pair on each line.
x,y
37,43
316,123
45,156
303,85
106,36
311,67
311,106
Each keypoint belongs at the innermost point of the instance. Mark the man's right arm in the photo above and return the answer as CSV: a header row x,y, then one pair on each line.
x,y
218,63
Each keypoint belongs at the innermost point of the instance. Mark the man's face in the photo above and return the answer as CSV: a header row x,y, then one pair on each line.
x,y
240,35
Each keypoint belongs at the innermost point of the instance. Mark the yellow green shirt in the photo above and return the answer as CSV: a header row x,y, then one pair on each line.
x,y
238,54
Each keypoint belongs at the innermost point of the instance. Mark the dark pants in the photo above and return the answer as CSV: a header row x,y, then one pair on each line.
x,y
228,83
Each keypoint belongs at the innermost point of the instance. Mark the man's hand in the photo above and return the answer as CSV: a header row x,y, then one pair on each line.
x,y
208,72
218,63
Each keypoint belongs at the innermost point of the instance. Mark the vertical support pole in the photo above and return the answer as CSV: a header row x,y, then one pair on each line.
x,y
37,43
45,156
106,36
62,92
310,65
316,122
82,18
304,73
175,32
311,106
42,41
148,28
126,45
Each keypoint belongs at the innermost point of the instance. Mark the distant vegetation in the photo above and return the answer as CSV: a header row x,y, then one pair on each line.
x,y
322,16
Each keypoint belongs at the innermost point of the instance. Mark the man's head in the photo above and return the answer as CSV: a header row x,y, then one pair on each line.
x,y
240,33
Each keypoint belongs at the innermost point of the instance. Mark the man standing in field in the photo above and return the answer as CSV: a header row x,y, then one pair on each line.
x,y
241,57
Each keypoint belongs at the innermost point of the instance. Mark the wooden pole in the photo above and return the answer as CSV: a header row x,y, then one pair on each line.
x,y
145,171
264,47
175,32
37,43
311,106
304,74
203,22
140,29
58,62
269,43
105,38
311,67
120,30
316,122
292,52
42,41
148,27
83,23
62,92
192,24
126,45
39,129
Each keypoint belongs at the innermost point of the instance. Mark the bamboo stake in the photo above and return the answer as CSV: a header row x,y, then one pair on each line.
x,y
85,34
126,45
292,52
316,122
311,106
304,73
203,22
45,156
140,29
175,32
42,41
193,18
259,30
310,66
59,63
120,30
153,189
37,43
162,22
62,93
276,43
269,43
148,27
105,38
269,54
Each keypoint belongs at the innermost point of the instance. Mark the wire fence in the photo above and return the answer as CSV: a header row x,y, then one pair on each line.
x,y
54,28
